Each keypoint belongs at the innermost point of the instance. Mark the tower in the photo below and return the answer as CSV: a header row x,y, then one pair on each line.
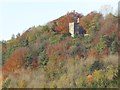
x,y
73,27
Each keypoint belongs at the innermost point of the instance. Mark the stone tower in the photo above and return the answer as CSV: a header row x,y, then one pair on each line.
x,y
74,27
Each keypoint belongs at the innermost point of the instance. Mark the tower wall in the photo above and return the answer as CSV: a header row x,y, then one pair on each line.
x,y
72,29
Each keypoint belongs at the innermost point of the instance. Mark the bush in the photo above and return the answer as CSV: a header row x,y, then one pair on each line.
x,y
24,43
54,39
73,50
46,28
41,48
97,65
101,45
6,55
66,34
114,47
6,83
28,60
80,82
22,84
43,58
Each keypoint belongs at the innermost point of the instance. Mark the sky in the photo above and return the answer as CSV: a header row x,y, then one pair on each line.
x,y
16,16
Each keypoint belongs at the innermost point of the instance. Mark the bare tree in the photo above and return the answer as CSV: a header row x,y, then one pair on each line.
x,y
106,9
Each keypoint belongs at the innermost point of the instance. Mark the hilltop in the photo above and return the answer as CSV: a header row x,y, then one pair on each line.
x,y
54,56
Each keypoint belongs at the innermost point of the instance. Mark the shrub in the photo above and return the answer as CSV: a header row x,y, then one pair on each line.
x,y
6,83
98,74
114,47
73,50
43,58
80,82
28,60
41,48
101,45
22,84
53,85
97,65
55,39
66,34
45,28
24,43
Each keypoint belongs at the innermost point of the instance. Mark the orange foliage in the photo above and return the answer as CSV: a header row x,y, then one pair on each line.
x,y
63,22
89,79
16,60
93,53
59,51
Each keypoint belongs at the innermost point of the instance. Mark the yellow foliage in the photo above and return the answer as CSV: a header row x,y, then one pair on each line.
x,y
53,85
64,81
80,82
22,84
98,74
111,72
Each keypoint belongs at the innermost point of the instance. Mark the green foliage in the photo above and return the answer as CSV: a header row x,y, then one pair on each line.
x,y
94,26
9,51
97,65
24,43
41,48
54,25
80,82
101,45
53,52
73,50
54,39
45,28
109,42
42,54
66,34
13,37
43,58
114,47
105,78
28,60
77,43
6,83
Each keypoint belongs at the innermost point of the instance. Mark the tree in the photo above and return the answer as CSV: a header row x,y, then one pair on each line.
x,y
16,60
106,9
18,35
13,37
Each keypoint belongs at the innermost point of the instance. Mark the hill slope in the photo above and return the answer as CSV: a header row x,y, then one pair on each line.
x,y
40,49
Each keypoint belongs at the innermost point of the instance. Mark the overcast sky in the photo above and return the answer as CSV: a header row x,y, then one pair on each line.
x,y
18,15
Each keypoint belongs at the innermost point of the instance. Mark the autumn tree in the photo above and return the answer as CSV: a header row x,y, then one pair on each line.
x,y
16,60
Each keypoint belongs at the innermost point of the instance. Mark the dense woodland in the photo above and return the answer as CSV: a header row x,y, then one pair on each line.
x,y
48,57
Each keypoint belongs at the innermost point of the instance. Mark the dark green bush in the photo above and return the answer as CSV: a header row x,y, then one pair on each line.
x,y
66,34
43,58
46,28
114,47
102,44
28,60
24,43
97,65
